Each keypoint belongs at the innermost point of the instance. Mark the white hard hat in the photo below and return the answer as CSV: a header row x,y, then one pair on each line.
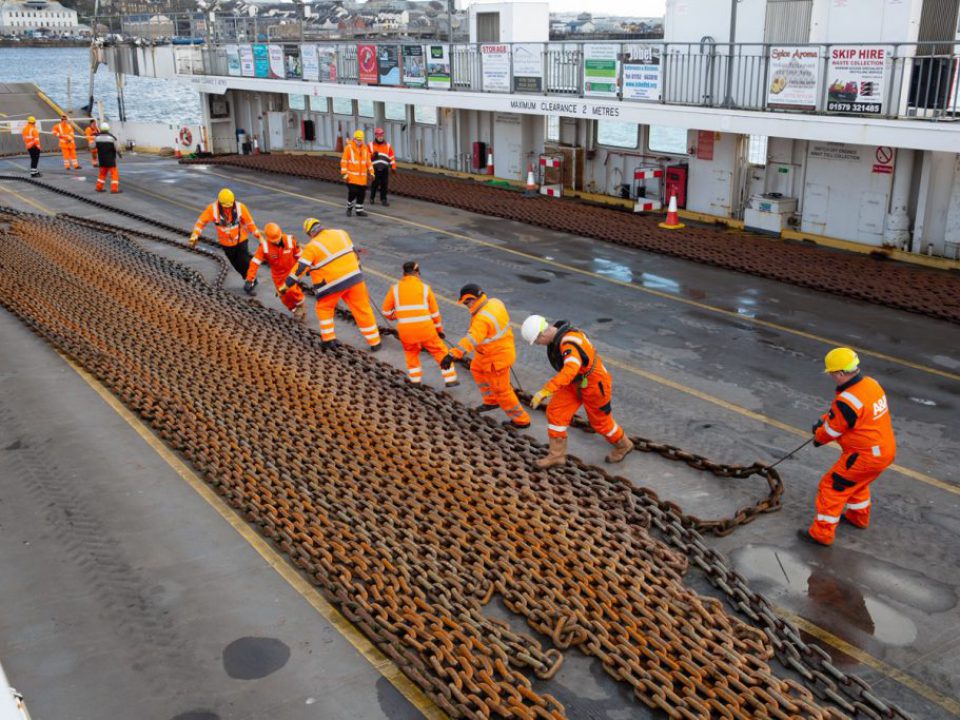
x,y
105,127
532,327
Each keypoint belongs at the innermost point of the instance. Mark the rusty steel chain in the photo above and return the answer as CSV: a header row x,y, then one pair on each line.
x,y
410,512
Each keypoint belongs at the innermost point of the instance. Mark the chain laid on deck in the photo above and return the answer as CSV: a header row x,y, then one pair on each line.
x,y
409,512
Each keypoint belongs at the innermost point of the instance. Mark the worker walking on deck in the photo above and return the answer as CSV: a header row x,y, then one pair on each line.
x,y
859,421
68,143
108,152
490,338
281,252
384,162
581,379
31,140
335,272
412,305
356,169
91,133
233,222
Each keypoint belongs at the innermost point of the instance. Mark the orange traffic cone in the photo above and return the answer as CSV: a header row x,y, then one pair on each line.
x,y
673,220
256,147
531,190
490,163
339,146
176,147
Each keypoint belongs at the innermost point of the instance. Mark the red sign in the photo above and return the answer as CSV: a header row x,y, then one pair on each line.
x,y
883,169
884,155
367,64
705,145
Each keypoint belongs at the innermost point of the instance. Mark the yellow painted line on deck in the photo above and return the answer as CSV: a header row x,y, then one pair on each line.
x,y
274,559
621,283
949,704
39,206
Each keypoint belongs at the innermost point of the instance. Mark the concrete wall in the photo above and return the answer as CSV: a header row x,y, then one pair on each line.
x,y
938,202
691,20
519,21
866,21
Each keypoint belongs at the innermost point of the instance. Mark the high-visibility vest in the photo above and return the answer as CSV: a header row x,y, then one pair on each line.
x,y
64,131
411,303
381,155
573,356
490,336
232,226
91,132
859,420
31,136
332,262
282,257
355,164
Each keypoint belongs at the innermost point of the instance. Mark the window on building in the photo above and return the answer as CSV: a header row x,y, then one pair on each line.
x,y
395,111
618,134
757,150
343,106
425,115
365,108
667,140
553,128
319,104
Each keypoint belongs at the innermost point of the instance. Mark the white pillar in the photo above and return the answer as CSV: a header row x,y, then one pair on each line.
x,y
896,228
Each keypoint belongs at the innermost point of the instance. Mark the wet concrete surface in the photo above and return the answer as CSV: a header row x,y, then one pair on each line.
x,y
735,376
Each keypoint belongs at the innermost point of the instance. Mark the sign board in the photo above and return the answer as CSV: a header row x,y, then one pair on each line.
x,y
641,72
601,69
261,61
705,141
367,64
246,61
884,160
856,77
388,64
438,66
495,60
794,78
275,53
311,67
233,60
292,63
327,60
414,67
835,151
528,67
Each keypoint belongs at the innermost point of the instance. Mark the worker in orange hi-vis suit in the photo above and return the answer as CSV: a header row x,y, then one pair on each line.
x,y
490,338
413,306
356,170
91,133
68,143
581,379
31,140
281,252
336,275
233,222
859,421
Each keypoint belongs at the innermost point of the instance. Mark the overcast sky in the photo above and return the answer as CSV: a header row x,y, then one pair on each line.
x,y
640,8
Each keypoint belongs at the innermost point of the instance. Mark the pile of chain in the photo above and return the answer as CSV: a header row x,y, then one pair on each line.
x,y
929,292
408,511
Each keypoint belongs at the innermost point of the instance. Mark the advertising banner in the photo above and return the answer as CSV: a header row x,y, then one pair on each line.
x,y
495,60
261,61
414,67
311,67
367,64
641,73
388,64
601,68
275,54
528,67
291,62
233,60
794,80
246,61
438,66
327,59
856,76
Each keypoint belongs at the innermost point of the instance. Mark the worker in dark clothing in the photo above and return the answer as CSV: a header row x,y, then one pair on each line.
x,y
107,154
384,162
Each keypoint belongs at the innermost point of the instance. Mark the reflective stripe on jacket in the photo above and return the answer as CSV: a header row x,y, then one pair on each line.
x,y
331,261
859,420
64,131
232,224
355,164
412,305
31,136
381,155
281,257
490,336
576,357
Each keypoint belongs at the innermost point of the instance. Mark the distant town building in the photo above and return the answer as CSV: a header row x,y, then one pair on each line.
x,y
21,16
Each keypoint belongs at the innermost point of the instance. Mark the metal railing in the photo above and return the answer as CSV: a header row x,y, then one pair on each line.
x,y
905,80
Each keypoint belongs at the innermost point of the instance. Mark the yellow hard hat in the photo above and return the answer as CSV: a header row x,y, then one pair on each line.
x,y
31,119
358,135
226,197
841,359
311,224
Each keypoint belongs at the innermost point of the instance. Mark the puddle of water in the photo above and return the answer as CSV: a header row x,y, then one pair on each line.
x,y
533,279
604,320
923,401
197,715
251,658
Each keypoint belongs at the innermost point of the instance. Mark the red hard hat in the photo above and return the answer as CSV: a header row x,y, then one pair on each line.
x,y
378,131
272,231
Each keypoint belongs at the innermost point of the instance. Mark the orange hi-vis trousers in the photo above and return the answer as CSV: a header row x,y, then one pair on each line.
x,y
845,490
358,302
114,179
437,349
495,388
69,155
595,398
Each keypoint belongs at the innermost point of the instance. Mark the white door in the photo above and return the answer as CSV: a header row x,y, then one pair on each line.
x,y
276,122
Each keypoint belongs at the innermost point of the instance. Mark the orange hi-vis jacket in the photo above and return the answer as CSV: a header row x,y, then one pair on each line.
x,y
282,257
31,136
859,420
233,224
381,155
575,360
490,336
332,261
91,132
412,304
355,164
64,131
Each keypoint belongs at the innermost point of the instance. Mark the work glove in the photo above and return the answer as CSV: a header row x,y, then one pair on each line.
x,y
393,171
447,361
194,239
538,398
816,426
248,287
345,177
441,334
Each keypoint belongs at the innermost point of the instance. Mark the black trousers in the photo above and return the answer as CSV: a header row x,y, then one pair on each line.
x,y
356,194
239,257
381,176
34,159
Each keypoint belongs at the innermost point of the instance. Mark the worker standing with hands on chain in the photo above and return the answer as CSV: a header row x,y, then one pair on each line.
x,y
581,379
68,143
281,252
31,140
490,338
233,222
412,305
334,268
859,421
108,153
356,169
384,162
